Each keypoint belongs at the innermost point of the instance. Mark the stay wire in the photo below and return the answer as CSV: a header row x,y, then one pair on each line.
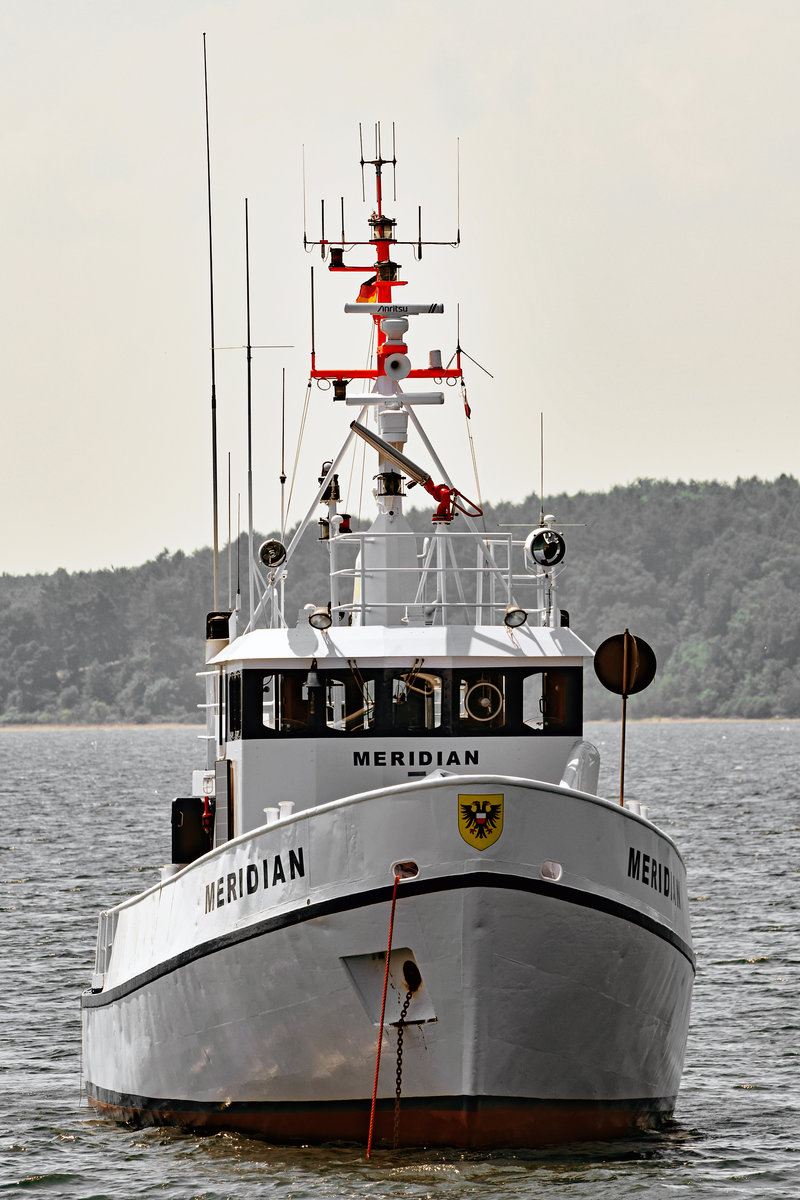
x,y
474,457
361,485
370,349
350,476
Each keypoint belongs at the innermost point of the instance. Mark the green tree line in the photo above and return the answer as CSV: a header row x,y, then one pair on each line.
x,y
707,573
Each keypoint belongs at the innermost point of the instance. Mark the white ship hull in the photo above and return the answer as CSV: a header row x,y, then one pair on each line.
x,y
549,1009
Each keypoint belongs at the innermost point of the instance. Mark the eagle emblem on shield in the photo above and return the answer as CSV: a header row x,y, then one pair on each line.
x,y
480,819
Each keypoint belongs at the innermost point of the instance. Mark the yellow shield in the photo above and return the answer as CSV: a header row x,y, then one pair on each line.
x,y
480,819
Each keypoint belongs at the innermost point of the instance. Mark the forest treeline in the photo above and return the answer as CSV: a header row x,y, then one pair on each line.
x,y
707,573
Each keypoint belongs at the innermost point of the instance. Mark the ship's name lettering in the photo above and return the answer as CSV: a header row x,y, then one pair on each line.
x,y
649,871
254,877
414,758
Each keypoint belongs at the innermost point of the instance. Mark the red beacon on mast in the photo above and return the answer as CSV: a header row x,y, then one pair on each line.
x,y
392,362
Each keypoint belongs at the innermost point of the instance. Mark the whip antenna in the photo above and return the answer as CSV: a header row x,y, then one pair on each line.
x,y
238,550
394,166
283,452
313,351
230,544
249,416
305,239
541,468
213,359
361,147
458,191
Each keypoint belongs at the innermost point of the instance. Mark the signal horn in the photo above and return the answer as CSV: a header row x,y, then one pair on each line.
x,y
397,366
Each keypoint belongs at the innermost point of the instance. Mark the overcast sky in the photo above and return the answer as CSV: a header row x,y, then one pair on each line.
x,y
629,262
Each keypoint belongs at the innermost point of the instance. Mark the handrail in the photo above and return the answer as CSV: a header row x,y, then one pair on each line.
x,y
496,554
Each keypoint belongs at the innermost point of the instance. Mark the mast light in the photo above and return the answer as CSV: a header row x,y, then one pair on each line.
x,y
272,553
545,547
382,228
319,617
515,616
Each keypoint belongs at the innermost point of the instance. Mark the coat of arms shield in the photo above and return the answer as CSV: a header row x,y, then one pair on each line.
x,y
480,819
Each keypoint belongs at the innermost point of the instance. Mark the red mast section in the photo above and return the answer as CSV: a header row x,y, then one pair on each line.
x,y
377,291
376,298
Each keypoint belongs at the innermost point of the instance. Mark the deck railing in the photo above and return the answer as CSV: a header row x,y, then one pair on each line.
x,y
445,586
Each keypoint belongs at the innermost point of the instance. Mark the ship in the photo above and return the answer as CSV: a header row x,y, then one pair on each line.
x,y
398,912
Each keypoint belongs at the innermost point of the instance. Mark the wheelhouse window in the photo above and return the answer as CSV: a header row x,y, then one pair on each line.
x,y
409,701
416,699
481,701
285,706
235,705
350,702
551,701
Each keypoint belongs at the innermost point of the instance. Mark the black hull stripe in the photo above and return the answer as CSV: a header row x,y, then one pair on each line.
x,y
466,1104
413,887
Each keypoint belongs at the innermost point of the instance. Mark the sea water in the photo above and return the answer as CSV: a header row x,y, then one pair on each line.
x,y
86,822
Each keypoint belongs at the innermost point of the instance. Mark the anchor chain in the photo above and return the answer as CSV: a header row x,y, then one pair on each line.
x,y
399,1071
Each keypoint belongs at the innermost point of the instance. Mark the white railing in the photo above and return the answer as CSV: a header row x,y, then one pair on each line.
x,y
442,583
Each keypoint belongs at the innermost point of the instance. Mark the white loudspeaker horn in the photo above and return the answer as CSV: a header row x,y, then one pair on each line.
x,y
397,366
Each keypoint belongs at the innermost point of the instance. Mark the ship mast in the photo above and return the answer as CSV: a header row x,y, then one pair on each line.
x,y
376,297
394,407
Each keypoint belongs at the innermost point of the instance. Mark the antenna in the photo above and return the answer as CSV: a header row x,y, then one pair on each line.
x,y
305,239
322,242
342,220
213,359
541,468
361,146
394,167
230,594
312,319
249,416
458,191
238,550
283,451
458,336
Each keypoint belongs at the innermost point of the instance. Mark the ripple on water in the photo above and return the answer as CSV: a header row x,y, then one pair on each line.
x,y
97,818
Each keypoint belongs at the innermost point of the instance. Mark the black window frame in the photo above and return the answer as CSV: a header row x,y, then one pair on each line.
x,y
569,678
234,709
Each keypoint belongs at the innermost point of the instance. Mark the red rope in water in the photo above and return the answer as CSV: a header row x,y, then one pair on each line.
x,y
383,1014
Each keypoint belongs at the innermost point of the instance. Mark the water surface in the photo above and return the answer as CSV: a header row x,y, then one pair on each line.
x,y
85,822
